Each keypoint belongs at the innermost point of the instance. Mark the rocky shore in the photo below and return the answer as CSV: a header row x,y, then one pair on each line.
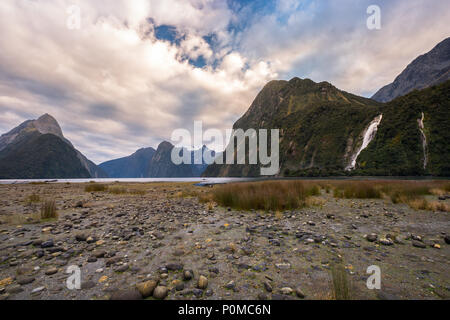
x,y
157,244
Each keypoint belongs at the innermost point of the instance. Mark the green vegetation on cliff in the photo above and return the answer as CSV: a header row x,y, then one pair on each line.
x,y
398,147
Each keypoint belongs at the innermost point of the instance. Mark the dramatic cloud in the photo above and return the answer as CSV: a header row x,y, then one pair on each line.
x,y
136,70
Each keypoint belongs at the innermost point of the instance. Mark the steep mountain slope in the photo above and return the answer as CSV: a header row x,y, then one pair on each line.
x,y
320,126
427,70
40,156
15,141
133,166
413,138
161,165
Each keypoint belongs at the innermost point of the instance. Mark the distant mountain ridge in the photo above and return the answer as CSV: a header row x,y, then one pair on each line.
x,y
151,163
427,70
37,149
133,166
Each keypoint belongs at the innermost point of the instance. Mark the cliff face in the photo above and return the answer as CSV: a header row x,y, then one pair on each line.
x,y
413,138
38,149
427,70
320,127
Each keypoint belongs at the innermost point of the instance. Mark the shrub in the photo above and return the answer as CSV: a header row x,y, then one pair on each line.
x,y
95,187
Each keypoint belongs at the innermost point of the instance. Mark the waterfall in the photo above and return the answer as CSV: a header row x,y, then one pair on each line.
x,y
424,140
369,134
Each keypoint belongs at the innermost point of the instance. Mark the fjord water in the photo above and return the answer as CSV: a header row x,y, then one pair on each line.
x,y
205,181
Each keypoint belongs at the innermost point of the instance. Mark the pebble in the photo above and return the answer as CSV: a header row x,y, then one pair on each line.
x,y
39,289
419,244
51,271
146,288
160,292
129,294
26,280
202,282
267,286
286,291
447,239
386,242
300,293
188,275
372,237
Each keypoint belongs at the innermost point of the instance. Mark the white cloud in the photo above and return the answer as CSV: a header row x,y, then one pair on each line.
x,y
114,87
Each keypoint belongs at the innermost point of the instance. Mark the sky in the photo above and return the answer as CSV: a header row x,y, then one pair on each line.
x,y
131,72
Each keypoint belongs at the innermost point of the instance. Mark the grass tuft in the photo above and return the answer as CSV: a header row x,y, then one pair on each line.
x,y
341,283
48,210
95,187
268,196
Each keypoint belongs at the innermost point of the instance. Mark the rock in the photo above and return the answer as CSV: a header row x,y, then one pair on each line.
x,y
267,286
51,271
386,242
230,285
92,259
447,239
79,204
202,282
39,289
286,291
197,292
419,244
160,292
300,293
188,275
372,237
146,288
174,267
179,286
386,296
87,285
209,293
80,237
129,294
14,289
283,266
122,268
263,297
47,244
26,280
99,253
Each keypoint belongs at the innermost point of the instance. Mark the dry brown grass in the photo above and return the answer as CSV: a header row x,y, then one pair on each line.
x,y
32,198
48,210
269,195
95,187
412,193
341,283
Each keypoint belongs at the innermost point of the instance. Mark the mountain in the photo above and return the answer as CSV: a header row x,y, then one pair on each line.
x,y
321,127
133,166
427,70
161,165
38,149
413,137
